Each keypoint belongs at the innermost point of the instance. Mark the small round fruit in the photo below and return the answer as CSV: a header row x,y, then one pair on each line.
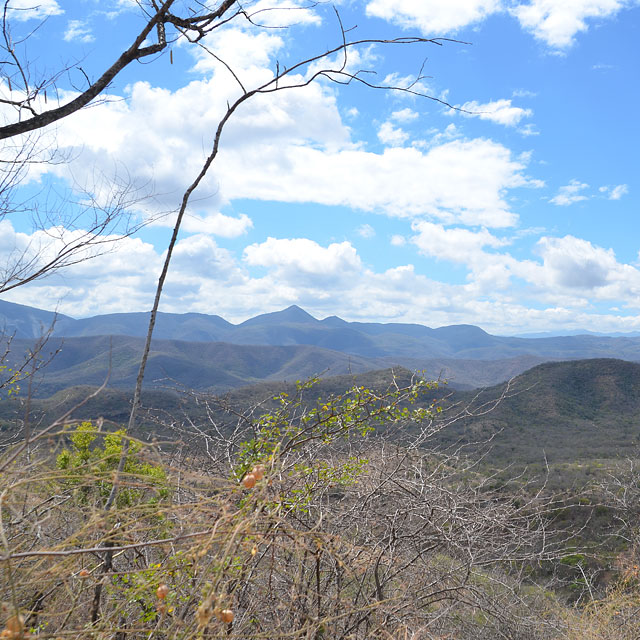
x,y
249,481
258,471
226,615
162,591
15,624
83,573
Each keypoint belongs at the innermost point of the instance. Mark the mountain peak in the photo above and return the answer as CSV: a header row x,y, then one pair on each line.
x,y
334,321
291,315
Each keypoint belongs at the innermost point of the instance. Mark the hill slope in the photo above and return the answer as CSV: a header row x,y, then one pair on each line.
x,y
585,409
569,412
220,366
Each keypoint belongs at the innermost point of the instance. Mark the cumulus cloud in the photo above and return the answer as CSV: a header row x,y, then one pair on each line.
x,y
615,193
366,231
571,270
290,146
392,136
32,9
528,130
569,274
243,51
451,132
498,111
433,17
461,181
410,83
488,271
404,115
303,256
149,135
574,263
78,31
199,256
304,153
454,244
570,193
557,22
217,224
123,278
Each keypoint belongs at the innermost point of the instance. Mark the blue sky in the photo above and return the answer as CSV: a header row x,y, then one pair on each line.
x,y
517,213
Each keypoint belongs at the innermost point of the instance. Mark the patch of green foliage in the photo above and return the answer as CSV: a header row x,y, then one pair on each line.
x,y
93,458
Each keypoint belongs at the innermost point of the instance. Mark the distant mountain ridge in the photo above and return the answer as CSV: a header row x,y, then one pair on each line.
x,y
206,352
294,326
219,366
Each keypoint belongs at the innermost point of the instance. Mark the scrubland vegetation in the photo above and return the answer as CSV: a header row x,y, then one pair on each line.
x,y
335,517
344,516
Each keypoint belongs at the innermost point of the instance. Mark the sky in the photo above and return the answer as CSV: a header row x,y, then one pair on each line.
x,y
500,189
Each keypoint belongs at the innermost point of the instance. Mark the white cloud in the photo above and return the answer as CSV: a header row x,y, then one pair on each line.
x,y
398,241
243,51
305,261
489,272
122,279
77,31
615,193
197,257
498,111
409,83
561,286
557,22
573,271
574,263
433,17
149,135
217,224
570,193
528,130
291,146
450,132
460,181
366,231
123,276
392,136
453,244
32,9
404,115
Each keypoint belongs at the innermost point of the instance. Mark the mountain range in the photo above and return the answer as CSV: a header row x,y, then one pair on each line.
x,y
206,352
